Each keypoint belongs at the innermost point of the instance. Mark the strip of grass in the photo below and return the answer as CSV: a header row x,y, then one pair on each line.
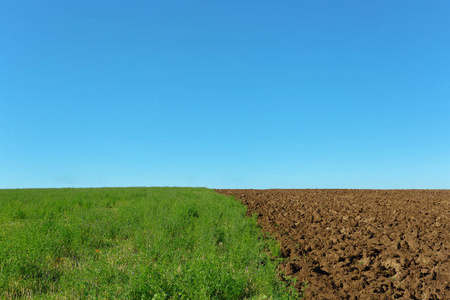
x,y
133,243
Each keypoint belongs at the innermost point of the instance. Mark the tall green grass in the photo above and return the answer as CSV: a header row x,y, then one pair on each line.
x,y
133,243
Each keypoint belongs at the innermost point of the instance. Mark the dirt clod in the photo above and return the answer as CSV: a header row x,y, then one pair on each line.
x,y
359,244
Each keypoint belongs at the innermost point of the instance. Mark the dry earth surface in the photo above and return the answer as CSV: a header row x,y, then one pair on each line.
x,y
359,244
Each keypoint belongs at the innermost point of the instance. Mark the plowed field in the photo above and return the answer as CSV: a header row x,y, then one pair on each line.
x,y
359,244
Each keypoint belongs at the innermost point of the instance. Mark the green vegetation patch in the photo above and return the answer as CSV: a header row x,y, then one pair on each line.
x,y
133,243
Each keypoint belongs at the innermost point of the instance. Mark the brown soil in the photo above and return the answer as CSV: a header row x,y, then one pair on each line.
x,y
359,244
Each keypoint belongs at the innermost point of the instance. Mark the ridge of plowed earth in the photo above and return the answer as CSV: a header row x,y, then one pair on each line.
x,y
359,244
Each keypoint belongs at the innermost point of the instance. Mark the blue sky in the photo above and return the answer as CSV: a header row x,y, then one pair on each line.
x,y
225,94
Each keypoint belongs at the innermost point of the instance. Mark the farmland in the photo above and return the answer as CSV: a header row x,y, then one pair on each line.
x,y
133,243
359,244
197,243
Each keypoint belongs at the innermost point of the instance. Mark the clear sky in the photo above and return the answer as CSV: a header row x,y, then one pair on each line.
x,y
225,94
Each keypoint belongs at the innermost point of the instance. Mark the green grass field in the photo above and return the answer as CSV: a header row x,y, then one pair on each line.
x,y
133,243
